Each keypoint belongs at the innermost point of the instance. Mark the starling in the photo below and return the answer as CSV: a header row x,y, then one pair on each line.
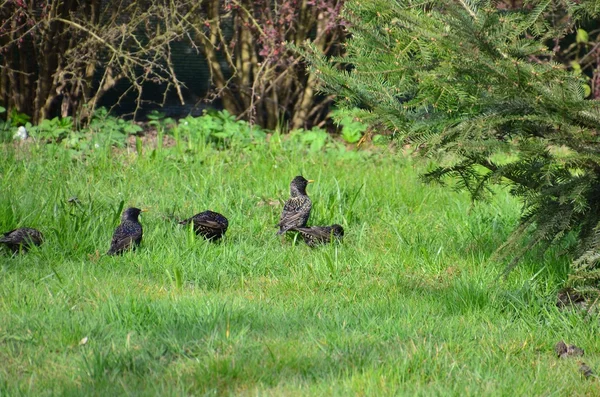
x,y
22,239
128,234
297,209
585,370
568,297
563,350
211,225
316,235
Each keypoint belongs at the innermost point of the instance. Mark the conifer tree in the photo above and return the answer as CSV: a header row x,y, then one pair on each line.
x,y
470,79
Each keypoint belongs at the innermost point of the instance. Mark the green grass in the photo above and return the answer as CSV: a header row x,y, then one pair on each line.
x,y
409,304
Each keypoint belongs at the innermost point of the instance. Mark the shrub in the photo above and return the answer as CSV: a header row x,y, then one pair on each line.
x,y
470,81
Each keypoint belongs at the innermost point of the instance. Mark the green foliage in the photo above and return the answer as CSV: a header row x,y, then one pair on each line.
x,y
219,128
103,131
156,116
318,140
314,139
216,129
52,130
157,119
465,82
9,126
17,119
4,127
352,129
107,130
582,36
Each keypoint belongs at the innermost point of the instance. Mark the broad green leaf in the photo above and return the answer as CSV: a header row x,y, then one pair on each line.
x,y
582,36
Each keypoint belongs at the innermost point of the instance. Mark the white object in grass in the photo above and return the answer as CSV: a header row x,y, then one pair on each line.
x,y
21,134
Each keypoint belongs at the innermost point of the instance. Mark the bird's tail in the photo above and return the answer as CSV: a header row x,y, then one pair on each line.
x,y
287,229
282,229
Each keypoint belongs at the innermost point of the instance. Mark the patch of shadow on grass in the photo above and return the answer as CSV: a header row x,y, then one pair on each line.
x,y
458,296
221,364
225,350
272,365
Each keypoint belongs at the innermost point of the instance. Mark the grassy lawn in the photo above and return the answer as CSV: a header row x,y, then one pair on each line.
x,y
409,304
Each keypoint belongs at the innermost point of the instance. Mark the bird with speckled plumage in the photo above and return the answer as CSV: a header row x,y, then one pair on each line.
x,y
585,370
208,224
316,235
21,239
128,235
563,350
297,209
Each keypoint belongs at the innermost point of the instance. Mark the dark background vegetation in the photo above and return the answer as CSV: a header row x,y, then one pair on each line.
x,y
65,58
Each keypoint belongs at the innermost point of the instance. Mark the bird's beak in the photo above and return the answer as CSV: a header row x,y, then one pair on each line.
x,y
145,209
311,180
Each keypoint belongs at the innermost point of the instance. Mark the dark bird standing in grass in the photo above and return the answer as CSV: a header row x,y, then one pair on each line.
x,y
564,351
297,209
211,225
316,235
22,239
569,298
585,370
128,234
